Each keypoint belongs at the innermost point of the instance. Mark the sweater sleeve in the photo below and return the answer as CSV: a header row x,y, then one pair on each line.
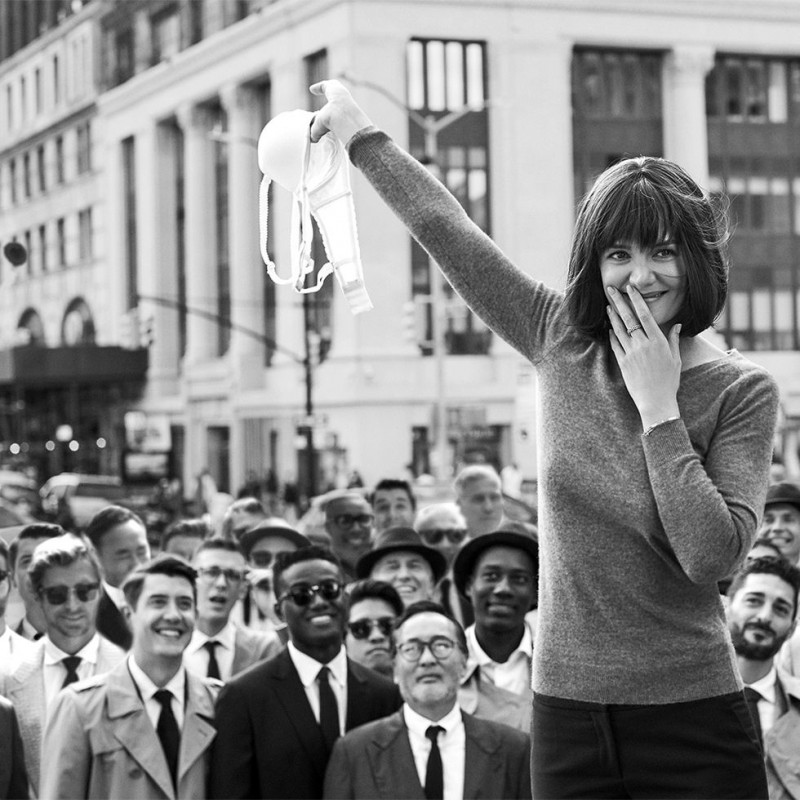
x,y
508,300
710,506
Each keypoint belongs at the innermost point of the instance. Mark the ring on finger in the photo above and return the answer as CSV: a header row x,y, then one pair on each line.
x,y
634,328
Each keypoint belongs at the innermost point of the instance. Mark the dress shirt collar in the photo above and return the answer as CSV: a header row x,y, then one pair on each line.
x,y
115,594
418,724
766,686
308,668
147,689
27,630
88,653
226,638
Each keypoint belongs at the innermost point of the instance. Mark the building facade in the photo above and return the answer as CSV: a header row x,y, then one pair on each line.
x,y
523,104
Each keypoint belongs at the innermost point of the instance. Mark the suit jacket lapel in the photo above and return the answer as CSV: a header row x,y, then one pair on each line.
x,y
392,762
133,729
198,728
291,694
243,651
25,689
482,761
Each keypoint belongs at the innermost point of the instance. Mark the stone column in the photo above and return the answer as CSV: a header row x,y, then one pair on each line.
x,y
685,126
201,289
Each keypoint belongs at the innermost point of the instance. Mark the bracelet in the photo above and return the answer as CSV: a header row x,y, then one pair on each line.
x,y
659,424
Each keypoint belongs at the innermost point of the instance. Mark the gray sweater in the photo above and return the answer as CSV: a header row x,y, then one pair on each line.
x,y
634,531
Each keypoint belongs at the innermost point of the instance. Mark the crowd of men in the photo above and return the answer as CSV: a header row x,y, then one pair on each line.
x,y
385,656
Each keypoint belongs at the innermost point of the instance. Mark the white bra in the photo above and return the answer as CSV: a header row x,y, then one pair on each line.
x,y
318,176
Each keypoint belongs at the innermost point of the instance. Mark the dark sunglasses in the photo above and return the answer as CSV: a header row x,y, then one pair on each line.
x,y
262,558
435,535
3,575
348,520
301,594
362,628
58,595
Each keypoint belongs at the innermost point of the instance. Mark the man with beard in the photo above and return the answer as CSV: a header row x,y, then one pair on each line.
x,y
762,614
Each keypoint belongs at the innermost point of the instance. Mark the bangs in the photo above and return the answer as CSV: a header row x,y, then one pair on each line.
x,y
640,214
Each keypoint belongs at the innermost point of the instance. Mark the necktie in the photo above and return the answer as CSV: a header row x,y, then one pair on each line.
x,y
213,666
328,709
168,732
434,775
752,696
71,664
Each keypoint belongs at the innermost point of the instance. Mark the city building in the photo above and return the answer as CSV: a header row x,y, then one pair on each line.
x,y
523,103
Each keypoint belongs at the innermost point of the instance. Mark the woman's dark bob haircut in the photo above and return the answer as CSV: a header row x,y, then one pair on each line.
x,y
647,201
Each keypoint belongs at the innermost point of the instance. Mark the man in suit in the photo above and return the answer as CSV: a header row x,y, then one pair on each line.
x,y
430,748
31,626
120,538
12,645
277,721
64,576
499,573
13,779
219,649
762,614
145,729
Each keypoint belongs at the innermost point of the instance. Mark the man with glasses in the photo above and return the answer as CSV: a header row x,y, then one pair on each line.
x,y
499,574
64,576
443,527
276,722
349,522
373,607
145,729
219,649
430,747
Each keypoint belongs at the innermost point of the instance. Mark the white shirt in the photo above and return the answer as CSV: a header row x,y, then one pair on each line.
x,y
12,647
115,594
452,746
54,671
196,657
515,674
147,690
768,702
308,670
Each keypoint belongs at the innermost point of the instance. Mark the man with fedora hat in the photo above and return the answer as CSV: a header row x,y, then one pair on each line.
x,y
499,573
781,521
399,558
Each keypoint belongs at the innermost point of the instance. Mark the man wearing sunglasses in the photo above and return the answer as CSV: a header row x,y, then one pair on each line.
x,y
373,607
350,523
219,649
276,722
64,576
430,747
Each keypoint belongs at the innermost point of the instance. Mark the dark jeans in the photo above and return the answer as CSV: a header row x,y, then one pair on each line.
x,y
701,749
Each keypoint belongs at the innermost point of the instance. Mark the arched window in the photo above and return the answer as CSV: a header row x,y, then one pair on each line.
x,y
30,329
77,327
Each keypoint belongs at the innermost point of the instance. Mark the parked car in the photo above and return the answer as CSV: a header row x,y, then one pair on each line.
x,y
71,499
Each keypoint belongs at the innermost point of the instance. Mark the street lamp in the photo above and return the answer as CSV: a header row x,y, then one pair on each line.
x,y
431,127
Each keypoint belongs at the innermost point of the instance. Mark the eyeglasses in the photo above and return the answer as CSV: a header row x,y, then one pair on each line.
x,y
58,595
435,535
412,650
213,573
262,558
301,594
348,520
362,628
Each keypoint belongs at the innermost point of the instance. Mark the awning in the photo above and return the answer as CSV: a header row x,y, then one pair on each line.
x,y
33,365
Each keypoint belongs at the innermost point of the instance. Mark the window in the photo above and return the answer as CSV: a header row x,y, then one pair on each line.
x,y
23,99
10,107
37,90
221,165
166,35
12,180
56,80
753,113
26,175
124,52
616,110
43,247
84,140
129,214
61,242
446,76
41,169
85,235
59,159
27,240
